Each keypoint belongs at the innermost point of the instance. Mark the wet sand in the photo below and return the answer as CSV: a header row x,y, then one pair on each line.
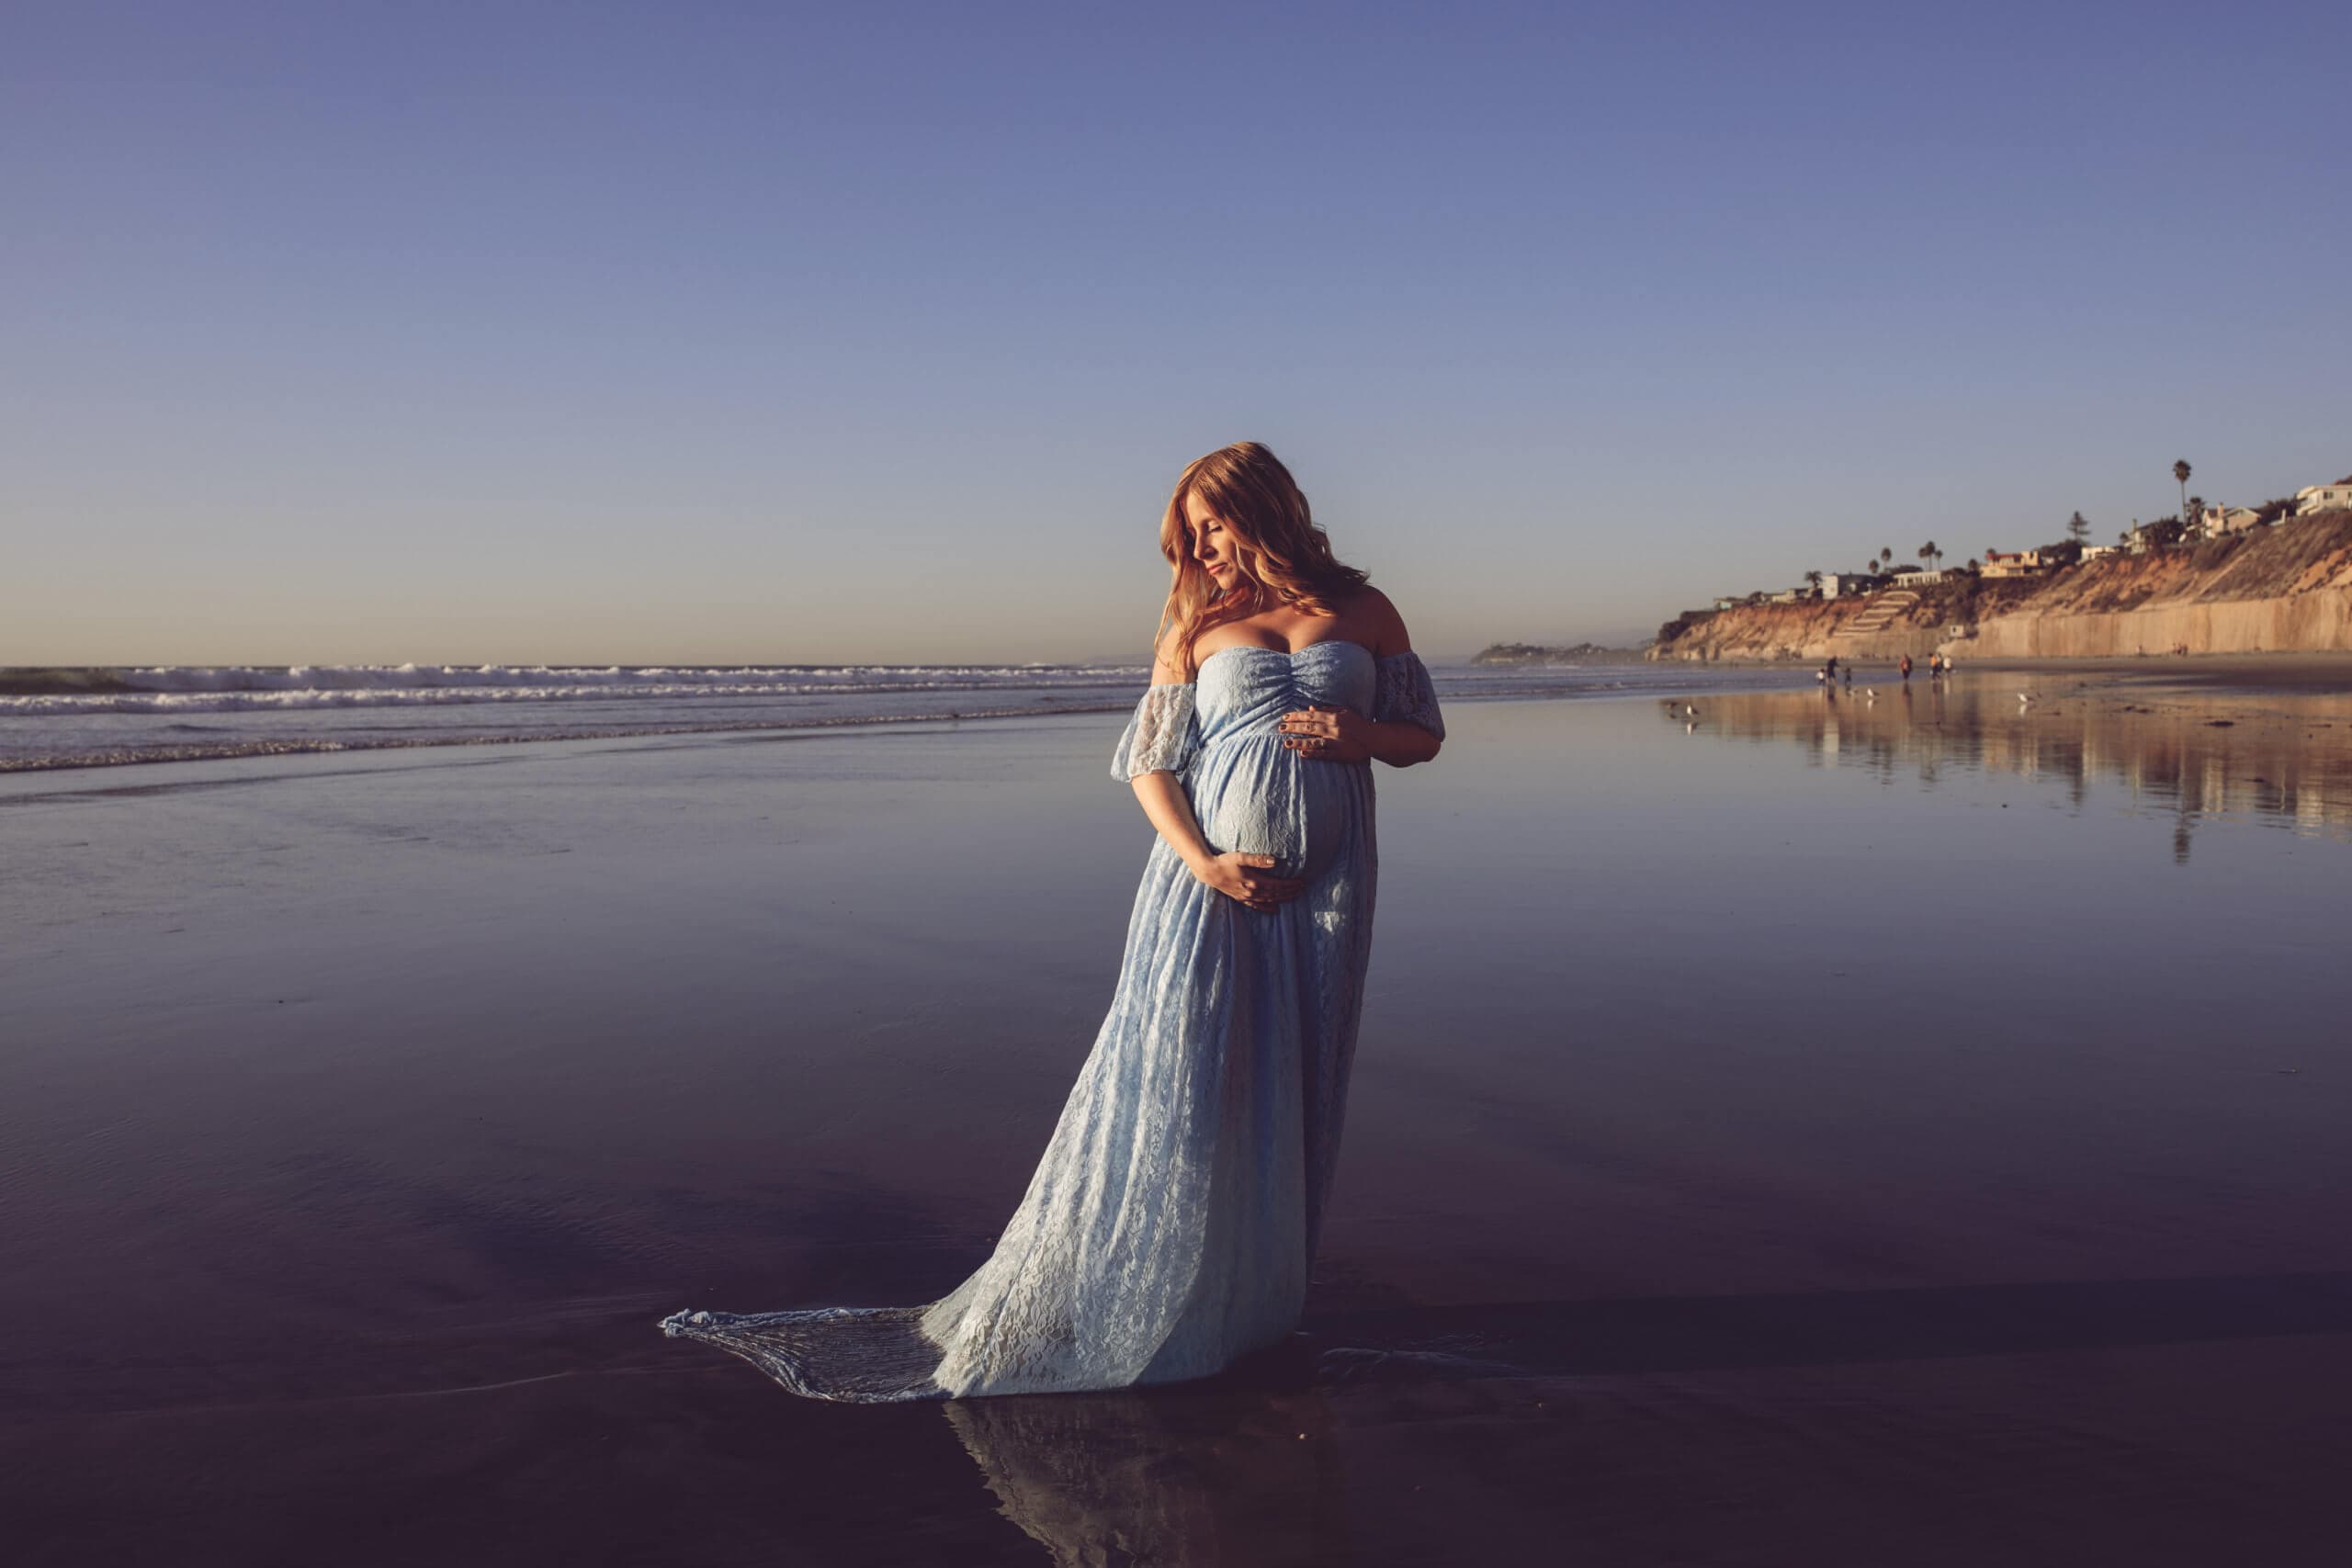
x,y
1798,1131
2251,671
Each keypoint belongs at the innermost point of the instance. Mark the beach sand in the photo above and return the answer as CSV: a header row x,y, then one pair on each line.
x,y
1795,1132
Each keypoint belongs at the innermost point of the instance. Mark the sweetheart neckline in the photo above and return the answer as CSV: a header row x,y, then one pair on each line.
x,y
1285,652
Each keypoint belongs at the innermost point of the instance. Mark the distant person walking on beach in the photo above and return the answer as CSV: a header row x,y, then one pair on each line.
x,y
1906,667
1169,1229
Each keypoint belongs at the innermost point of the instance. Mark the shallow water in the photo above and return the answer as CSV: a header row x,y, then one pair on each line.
x,y
1788,1131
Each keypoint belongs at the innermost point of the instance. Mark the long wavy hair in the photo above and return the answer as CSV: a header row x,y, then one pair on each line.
x,y
1284,558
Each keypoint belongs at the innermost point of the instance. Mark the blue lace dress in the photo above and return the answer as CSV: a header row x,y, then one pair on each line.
x,y
1170,1225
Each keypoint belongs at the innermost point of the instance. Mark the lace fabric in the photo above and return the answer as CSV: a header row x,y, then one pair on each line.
x,y
1403,694
1160,735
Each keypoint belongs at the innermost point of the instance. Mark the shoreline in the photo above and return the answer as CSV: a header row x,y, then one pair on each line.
x,y
1461,686
201,753
2318,671
2299,672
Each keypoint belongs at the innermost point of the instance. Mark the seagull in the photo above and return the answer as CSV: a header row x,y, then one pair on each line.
x,y
1689,712
2026,697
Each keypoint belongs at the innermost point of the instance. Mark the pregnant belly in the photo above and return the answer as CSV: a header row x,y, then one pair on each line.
x,y
1256,796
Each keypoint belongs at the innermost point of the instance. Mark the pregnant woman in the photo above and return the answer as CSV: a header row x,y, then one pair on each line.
x,y
1169,1228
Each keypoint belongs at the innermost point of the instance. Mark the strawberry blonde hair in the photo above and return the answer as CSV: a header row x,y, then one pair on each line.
x,y
1284,557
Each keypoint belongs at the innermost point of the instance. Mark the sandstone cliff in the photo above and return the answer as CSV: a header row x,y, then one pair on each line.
x,y
2283,589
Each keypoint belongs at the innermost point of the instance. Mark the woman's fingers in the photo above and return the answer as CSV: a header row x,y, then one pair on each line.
x,y
1253,887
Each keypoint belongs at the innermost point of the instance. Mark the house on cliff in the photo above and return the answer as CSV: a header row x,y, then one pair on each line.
x,y
2336,497
2219,522
1834,583
2013,563
2162,533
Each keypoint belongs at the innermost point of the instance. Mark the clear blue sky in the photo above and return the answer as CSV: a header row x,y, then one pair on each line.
x,y
341,332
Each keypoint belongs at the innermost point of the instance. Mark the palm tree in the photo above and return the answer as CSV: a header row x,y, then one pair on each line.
x,y
2180,471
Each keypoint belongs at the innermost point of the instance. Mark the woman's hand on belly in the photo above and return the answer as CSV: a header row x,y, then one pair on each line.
x,y
1247,879
1327,734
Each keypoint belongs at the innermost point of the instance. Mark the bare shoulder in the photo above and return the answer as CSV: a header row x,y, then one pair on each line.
x,y
1167,665
1372,611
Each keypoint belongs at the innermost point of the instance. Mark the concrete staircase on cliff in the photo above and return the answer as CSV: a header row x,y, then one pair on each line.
x,y
1884,611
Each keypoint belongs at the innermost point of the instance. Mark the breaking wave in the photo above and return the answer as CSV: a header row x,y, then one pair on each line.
x,y
186,689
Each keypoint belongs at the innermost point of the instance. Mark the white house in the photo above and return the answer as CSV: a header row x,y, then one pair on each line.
x,y
2324,498
2219,521
1833,583
2093,552
1918,578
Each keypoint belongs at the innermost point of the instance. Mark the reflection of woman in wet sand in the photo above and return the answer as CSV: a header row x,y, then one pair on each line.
x,y
1173,1479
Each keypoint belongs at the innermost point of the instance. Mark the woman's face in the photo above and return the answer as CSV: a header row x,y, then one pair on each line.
x,y
1212,543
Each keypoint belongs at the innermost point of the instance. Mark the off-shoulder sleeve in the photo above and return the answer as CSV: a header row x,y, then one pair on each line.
x,y
1161,736
1404,695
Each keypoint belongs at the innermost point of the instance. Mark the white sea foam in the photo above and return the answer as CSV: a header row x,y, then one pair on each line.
x,y
183,752
435,677
193,691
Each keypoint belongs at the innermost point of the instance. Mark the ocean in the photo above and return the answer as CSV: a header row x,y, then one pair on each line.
x,y
196,713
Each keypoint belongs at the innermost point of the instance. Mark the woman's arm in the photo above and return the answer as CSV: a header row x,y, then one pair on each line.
x,y
1164,801
1343,735
1400,745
